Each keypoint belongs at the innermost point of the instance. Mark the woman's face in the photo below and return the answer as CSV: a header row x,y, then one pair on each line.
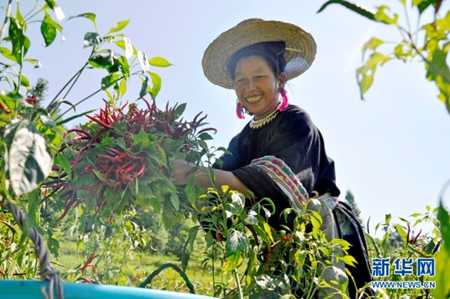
x,y
256,85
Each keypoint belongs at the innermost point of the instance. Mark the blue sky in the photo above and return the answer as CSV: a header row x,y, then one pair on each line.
x,y
391,150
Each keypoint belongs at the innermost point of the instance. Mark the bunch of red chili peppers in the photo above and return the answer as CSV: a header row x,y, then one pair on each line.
x,y
119,151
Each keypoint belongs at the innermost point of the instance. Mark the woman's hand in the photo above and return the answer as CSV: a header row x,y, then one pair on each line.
x,y
182,173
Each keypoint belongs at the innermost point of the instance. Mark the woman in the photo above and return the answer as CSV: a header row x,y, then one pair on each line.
x,y
280,154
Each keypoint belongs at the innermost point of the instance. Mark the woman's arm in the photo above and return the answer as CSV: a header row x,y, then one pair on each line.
x,y
184,172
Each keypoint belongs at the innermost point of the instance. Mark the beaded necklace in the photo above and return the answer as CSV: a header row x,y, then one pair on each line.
x,y
256,124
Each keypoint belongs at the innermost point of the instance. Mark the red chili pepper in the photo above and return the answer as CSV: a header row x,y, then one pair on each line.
x,y
88,261
69,203
436,247
102,129
85,279
414,241
106,126
110,219
126,177
2,272
207,129
114,151
80,132
4,108
147,103
407,234
141,171
129,168
31,100
195,118
219,237
106,157
78,157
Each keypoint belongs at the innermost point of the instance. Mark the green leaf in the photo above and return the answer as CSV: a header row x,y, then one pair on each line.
x,y
366,73
92,39
156,81
35,62
124,66
348,260
188,246
372,44
422,5
235,246
401,232
365,12
444,219
175,201
122,88
33,200
262,234
89,15
50,3
62,161
53,245
24,81
110,80
415,215
382,17
189,190
437,66
180,110
8,54
120,26
159,62
105,59
49,29
144,87
20,43
342,243
60,123
141,140
27,160
237,242
205,136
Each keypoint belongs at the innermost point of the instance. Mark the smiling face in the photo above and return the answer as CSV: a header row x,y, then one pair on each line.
x,y
257,86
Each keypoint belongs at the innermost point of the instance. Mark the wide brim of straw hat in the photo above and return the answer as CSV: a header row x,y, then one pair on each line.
x,y
300,48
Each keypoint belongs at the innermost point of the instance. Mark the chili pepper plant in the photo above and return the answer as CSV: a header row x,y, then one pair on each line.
x,y
251,259
123,157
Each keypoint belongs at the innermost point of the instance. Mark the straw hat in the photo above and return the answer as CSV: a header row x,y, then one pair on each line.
x,y
299,54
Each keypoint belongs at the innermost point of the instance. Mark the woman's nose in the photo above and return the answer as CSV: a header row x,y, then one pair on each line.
x,y
251,85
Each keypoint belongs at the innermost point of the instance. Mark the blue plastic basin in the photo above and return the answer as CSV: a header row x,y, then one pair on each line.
x,y
30,289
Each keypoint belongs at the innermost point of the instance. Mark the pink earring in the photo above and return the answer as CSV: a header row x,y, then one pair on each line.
x,y
239,109
285,101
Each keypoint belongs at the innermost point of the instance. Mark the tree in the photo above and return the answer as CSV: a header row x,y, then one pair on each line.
x,y
350,198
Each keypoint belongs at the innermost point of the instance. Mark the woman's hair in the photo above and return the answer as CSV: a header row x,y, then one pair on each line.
x,y
272,52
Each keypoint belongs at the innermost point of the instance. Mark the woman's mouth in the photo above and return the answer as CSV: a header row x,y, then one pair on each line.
x,y
254,99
